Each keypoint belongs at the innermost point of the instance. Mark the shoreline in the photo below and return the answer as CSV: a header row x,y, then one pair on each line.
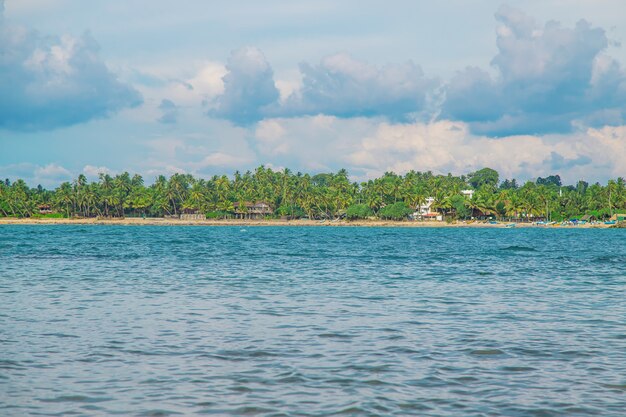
x,y
153,221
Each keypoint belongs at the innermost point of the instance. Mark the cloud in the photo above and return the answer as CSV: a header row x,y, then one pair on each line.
x,y
169,112
48,82
549,79
53,172
339,86
221,160
309,143
93,172
190,86
208,148
368,147
448,146
249,87
345,87
49,176
558,162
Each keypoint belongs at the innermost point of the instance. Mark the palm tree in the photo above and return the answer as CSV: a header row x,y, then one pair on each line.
x,y
64,198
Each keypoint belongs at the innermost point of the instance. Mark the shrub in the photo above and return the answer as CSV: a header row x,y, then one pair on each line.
x,y
218,215
358,211
396,211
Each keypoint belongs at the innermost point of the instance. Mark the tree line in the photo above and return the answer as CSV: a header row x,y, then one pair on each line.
x,y
321,196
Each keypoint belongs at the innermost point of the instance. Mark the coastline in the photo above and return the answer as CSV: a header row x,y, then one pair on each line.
x,y
153,221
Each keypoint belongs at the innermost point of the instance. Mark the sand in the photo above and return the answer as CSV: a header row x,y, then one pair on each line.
x,y
317,223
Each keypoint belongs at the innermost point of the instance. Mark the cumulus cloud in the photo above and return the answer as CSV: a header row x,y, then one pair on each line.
x,y
49,81
345,87
338,86
549,78
249,87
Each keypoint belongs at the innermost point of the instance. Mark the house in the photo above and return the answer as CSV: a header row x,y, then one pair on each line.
x,y
45,209
588,218
484,214
249,210
192,214
425,211
432,217
424,208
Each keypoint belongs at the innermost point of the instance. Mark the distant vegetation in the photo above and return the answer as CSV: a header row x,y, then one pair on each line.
x,y
321,196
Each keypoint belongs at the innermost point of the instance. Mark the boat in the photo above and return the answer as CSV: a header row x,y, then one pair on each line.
x,y
511,225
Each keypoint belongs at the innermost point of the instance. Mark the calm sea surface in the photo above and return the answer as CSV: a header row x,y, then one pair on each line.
x,y
271,321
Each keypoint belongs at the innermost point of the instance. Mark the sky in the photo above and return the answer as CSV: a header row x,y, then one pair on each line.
x,y
529,88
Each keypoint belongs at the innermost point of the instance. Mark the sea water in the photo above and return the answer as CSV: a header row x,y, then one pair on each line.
x,y
317,321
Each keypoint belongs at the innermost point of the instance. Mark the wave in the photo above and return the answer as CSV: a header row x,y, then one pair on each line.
x,y
517,248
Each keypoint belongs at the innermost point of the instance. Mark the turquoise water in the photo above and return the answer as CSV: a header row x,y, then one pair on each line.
x,y
155,321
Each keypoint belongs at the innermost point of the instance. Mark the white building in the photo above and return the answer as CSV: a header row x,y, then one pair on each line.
x,y
425,208
426,212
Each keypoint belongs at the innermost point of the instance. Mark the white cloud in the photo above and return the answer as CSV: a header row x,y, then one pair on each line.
x,y
368,148
49,176
52,171
93,172
190,88
221,160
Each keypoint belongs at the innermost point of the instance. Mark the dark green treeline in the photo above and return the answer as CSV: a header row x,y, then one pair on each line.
x,y
318,196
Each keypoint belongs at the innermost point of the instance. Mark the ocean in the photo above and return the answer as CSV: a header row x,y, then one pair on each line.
x,y
312,321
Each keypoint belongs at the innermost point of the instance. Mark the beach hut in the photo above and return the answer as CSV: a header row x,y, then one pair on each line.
x,y
45,209
588,218
485,214
249,210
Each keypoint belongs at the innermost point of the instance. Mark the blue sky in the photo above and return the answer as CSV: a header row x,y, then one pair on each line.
x,y
529,88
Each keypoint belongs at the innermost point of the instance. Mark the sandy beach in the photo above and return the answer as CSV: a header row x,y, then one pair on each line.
x,y
153,221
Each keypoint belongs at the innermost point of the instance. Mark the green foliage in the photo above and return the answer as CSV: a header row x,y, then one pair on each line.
x,y
396,211
485,176
290,211
509,184
218,215
459,204
358,211
48,216
553,180
321,196
601,214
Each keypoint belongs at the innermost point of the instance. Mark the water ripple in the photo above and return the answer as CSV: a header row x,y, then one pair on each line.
x,y
165,321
